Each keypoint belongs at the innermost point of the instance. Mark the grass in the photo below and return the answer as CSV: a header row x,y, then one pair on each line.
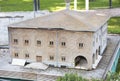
x,y
52,5
55,5
75,77
114,25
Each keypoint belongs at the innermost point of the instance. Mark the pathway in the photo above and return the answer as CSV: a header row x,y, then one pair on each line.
x,y
112,12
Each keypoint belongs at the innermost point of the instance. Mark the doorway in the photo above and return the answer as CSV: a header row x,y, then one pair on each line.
x,y
39,58
81,61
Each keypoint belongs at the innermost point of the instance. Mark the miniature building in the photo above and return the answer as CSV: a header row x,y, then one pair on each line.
x,y
62,39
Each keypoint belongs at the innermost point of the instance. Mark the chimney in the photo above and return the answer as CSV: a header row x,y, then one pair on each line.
x,y
67,4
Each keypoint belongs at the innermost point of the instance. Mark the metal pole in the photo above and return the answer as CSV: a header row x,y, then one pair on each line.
x,y
35,5
87,5
110,3
38,4
75,4
67,4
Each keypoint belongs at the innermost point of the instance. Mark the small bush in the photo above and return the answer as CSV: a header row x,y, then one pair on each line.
x,y
71,77
75,77
113,77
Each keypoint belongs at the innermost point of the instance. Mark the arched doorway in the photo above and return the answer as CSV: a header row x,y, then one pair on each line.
x,y
81,62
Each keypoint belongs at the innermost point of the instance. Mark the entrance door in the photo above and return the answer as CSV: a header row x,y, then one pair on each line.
x,y
39,58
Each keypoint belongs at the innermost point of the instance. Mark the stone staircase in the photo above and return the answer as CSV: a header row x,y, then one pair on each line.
x,y
107,54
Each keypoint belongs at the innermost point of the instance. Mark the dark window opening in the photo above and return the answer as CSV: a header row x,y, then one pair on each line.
x,y
16,55
51,57
38,42
15,41
26,55
63,58
80,45
63,43
51,43
26,42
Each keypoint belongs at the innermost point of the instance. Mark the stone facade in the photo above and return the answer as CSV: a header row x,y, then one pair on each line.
x,y
58,47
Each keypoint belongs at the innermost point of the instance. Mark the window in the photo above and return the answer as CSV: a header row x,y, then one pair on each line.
x,y
51,43
26,42
63,43
80,45
63,58
51,57
97,39
38,42
26,55
15,41
16,55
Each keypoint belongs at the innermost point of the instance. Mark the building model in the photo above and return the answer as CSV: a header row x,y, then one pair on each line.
x,y
66,38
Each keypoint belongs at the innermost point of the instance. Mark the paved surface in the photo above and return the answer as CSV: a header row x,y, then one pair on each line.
x,y
112,12
97,73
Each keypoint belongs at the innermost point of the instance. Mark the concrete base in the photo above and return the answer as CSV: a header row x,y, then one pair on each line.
x,y
97,62
80,67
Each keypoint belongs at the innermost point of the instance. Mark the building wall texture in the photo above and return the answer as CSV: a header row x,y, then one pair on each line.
x,y
62,55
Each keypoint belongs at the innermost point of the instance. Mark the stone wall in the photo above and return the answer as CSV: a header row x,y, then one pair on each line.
x,y
70,51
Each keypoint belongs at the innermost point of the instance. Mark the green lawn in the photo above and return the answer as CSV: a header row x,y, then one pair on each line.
x,y
52,5
114,25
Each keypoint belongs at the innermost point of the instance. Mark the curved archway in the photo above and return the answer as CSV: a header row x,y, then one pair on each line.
x,y
81,62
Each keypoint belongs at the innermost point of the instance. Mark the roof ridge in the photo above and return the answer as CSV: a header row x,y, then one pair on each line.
x,y
66,19
79,18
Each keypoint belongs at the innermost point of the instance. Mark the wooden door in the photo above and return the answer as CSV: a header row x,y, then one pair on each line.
x,y
39,58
